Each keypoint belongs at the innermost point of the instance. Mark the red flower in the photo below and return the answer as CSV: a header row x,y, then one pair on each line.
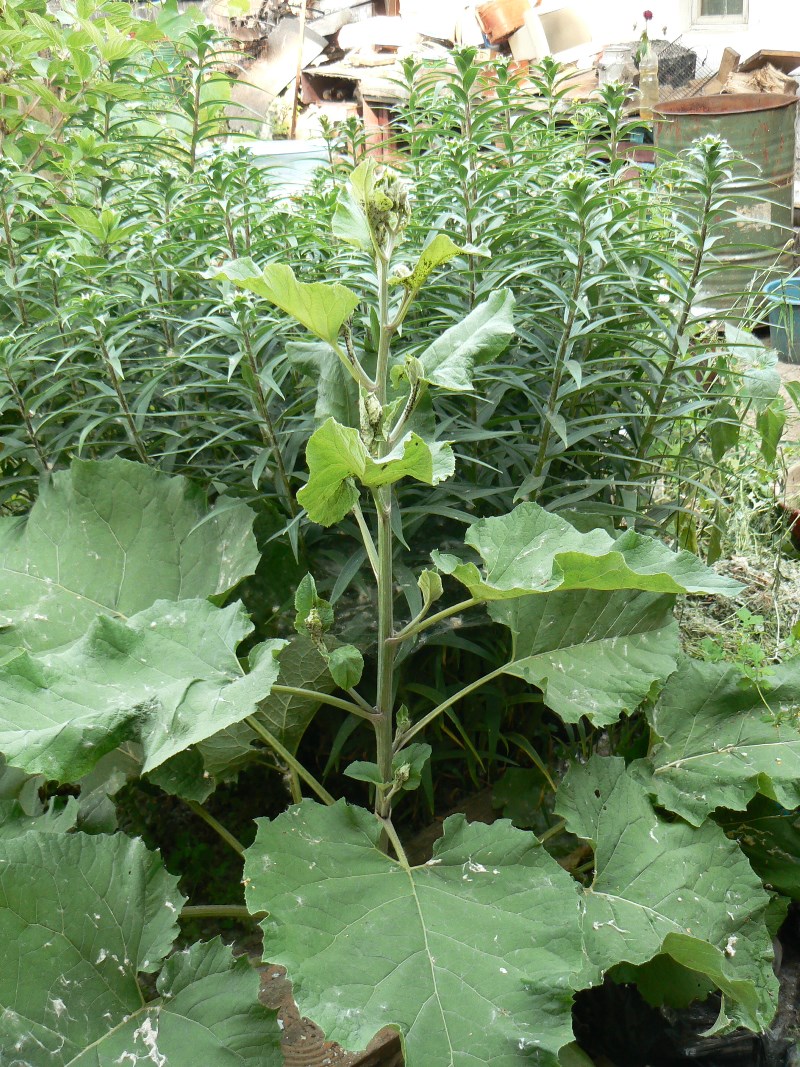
x,y
647,15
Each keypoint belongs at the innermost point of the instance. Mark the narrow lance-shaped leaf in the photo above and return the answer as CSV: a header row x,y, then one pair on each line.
x,y
336,456
592,653
168,678
532,550
110,538
723,739
321,308
668,887
469,955
80,917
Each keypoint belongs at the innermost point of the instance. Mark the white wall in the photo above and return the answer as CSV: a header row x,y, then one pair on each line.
x,y
771,24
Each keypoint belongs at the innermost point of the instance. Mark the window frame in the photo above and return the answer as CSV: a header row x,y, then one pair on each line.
x,y
710,21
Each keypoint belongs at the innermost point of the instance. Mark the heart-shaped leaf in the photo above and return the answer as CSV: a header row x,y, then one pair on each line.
x,y
322,309
336,456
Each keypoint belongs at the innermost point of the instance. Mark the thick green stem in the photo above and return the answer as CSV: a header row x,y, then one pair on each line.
x,y
560,360
454,699
226,835
291,761
384,722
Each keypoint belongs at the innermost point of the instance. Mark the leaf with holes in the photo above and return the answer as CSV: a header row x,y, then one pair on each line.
x,y
469,955
592,653
531,550
111,538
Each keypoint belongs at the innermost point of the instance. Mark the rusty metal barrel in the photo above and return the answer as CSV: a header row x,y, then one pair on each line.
x,y
760,127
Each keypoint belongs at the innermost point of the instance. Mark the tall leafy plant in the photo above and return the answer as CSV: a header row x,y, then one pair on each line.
x,y
472,955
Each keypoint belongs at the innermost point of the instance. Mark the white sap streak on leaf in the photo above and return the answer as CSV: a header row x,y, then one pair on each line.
x,y
148,1033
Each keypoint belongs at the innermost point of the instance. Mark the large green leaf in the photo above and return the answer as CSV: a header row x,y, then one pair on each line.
x,y
208,1012
532,550
469,955
322,309
336,391
168,677
111,537
449,360
80,917
285,715
668,887
722,739
336,455
591,653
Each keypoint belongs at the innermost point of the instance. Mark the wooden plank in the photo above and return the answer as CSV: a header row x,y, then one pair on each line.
x,y
728,64
786,62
